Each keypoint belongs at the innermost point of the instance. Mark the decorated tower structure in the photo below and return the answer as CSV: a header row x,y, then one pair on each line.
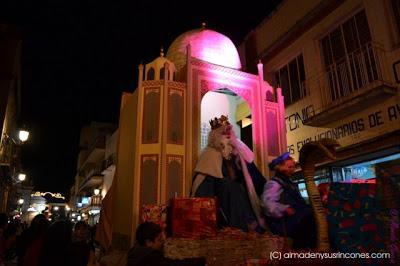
x,y
160,123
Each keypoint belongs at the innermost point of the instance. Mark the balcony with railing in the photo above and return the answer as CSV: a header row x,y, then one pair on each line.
x,y
95,152
92,176
95,200
358,80
93,173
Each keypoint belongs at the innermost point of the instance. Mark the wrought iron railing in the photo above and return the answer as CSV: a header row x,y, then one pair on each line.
x,y
95,170
355,73
95,200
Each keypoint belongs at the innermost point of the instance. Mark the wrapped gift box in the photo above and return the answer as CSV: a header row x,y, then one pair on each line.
x,y
193,217
154,213
388,182
354,224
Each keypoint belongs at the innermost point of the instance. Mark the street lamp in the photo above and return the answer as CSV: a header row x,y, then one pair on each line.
x,y
23,135
21,201
21,177
56,208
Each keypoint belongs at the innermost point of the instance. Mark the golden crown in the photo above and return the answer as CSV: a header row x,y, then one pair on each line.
x,y
218,122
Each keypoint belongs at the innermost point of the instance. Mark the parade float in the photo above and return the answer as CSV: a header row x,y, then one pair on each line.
x,y
163,128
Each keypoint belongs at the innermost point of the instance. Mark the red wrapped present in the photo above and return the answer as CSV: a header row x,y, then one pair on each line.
x,y
154,213
193,217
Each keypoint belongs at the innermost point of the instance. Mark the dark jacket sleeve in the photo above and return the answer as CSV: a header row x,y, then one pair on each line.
x,y
258,179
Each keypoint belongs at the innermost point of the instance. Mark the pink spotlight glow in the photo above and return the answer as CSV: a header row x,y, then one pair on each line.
x,y
207,45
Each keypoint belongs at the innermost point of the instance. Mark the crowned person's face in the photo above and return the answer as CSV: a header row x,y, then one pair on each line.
x,y
226,147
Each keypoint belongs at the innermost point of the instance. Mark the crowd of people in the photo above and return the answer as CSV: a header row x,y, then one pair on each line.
x,y
44,243
225,170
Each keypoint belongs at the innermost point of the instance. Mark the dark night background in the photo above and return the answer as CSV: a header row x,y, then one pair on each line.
x,y
78,56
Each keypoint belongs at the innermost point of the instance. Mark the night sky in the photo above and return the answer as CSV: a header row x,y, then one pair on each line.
x,y
78,56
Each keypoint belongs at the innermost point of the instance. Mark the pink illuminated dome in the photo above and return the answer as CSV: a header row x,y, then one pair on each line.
x,y
207,45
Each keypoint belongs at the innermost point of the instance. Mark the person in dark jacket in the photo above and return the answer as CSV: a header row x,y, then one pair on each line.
x,y
30,242
288,213
82,250
148,250
56,248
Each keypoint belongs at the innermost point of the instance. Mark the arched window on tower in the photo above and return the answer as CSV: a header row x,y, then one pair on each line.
x,y
150,74
162,73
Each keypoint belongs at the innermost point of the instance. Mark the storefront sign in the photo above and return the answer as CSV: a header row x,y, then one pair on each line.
x,y
370,123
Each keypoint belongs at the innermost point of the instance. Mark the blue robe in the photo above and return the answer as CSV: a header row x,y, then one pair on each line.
x,y
234,207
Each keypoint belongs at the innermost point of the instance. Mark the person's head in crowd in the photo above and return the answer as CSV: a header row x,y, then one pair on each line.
x,y
56,244
150,235
39,225
3,221
81,230
283,164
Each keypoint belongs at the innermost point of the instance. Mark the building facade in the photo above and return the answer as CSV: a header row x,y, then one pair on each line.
x,y
338,64
95,170
10,97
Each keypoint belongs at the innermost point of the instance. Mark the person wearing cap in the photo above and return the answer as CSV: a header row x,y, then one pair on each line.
x,y
287,212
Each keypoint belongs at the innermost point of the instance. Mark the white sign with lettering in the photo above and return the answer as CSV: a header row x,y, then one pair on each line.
x,y
372,122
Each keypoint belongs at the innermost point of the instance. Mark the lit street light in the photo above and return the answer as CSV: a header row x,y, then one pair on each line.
x,y
56,208
21,177
23,135
21,201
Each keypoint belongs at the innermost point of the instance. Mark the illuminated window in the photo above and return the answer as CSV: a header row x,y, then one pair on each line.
x,y
205,129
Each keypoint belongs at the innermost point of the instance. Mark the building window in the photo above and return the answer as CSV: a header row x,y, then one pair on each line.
x,y
162,73
205,129
350,60
151,115
175,116
150,74
291,79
